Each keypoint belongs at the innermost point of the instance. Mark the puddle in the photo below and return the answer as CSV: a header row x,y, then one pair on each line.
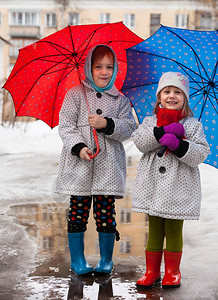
x,y
46,224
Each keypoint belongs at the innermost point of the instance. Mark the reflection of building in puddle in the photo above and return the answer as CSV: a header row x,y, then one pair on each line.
x,y
48,224
133,228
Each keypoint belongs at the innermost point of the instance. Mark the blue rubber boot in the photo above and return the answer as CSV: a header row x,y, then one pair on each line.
x,y
106,245
78,261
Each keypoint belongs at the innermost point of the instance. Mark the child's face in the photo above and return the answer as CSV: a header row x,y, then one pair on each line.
x,y
172,98
102,71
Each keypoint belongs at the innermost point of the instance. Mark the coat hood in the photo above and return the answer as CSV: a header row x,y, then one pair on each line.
x,y
88,70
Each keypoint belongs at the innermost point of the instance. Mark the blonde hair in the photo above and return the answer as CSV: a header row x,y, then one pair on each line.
x,y
186,110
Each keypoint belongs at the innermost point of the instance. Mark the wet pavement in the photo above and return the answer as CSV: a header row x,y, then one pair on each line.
x,y
34,256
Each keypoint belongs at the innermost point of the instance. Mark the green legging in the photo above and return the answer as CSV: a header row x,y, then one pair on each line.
x,y
159,228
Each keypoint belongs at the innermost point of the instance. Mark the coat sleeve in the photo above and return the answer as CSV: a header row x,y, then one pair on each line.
x,y
124,123
68,130
144,138
198,149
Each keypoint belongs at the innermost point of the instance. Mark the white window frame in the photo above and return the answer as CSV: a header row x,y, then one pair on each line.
x,y
24,18
75,18
104,18
154,22
129,20
125,246
51,20
205,21
17,44
125,215
181,21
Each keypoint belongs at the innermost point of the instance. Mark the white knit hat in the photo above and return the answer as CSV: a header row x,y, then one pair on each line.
x,y
176,79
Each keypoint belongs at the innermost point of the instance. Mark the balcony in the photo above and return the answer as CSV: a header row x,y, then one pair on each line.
x,y
32,32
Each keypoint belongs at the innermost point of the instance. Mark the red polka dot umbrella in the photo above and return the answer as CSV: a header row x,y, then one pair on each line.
x,y
47,69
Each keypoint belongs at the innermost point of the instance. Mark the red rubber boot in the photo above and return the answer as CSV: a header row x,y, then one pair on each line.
x,y
152,274
172,275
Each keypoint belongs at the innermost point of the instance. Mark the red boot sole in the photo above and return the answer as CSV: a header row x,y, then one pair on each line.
x,y
140,286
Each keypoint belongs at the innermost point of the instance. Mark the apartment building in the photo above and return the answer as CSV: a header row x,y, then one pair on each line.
x,y
23,22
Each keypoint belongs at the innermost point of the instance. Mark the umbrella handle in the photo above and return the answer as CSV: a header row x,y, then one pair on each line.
x,y
96,143
162,151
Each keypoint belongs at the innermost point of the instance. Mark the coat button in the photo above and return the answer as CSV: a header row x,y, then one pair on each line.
x,y
99,111
99,95
162,170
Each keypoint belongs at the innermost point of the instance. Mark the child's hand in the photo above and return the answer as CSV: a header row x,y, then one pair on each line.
x,y
84,154
175,128
97,122
170,141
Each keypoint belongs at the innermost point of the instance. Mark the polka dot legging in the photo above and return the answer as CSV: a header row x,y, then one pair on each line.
x,y
103,212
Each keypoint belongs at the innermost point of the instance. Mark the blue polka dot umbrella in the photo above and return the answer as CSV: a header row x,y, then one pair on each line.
x,y
194,53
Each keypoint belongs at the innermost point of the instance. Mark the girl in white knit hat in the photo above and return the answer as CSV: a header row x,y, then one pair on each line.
x,y
168,188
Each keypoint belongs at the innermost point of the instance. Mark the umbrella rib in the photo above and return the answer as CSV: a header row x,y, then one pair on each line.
x,y
183,67
55,46
178,63
197,90
209,87
24,66
197,59
44,73
83,43
137,86
203,106
46,58
89,38
57,63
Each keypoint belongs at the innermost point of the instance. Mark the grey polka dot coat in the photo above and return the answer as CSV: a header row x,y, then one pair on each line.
x,y
168,186
106,173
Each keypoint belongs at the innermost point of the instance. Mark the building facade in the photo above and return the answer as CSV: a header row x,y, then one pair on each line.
x,y
23,22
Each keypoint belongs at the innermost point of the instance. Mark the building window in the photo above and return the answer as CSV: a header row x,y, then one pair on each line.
x,y
181,21
46,213
24,19
104,18
129,20
129,161
154,23
17,44
125,215
125,247
47,242
73,19
51,20
205,21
